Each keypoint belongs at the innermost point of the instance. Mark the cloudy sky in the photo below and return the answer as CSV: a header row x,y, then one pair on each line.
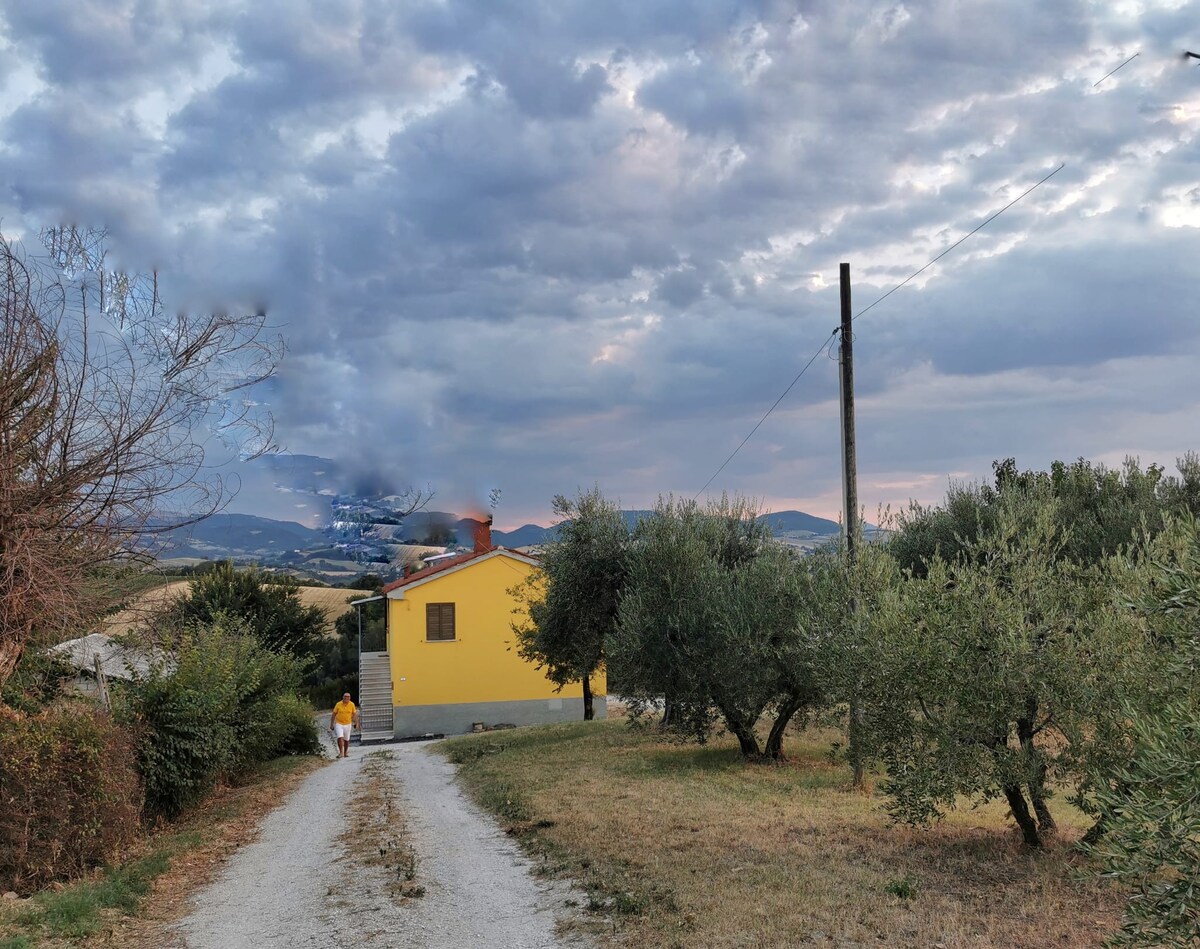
x,y
536,245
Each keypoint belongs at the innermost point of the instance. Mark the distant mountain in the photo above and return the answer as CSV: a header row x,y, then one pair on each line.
x,y
785,521
632,517
781,522
525,536
416,526
530,534
364,536
237,535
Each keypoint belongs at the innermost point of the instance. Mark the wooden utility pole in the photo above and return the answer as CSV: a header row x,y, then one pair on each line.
x,y
850,496
849,457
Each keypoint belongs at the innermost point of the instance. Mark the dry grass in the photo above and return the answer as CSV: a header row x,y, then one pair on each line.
x,y
333,603
376,833
690,846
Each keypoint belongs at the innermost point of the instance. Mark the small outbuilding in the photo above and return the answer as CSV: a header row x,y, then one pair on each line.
x,y
98,657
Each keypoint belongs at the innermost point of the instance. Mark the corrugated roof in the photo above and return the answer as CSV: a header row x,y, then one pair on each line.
x,y
116,660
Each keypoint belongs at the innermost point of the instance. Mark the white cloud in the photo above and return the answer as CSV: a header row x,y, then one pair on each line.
x,y
556,244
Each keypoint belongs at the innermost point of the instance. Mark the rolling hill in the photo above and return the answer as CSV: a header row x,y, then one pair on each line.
x,y
235,535
377,541
332,602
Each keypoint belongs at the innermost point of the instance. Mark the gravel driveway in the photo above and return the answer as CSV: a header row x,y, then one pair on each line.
x,y
295,886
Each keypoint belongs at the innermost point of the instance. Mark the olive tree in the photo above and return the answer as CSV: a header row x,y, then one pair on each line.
x,y
1099,509
709,619
848,606
568,608
1148,796
1005,673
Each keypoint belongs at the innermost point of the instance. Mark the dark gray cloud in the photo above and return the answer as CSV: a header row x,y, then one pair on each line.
x,y
115,44
700,98
540,245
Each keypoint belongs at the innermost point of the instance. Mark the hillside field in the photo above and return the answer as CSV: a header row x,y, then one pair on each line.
x,y
332,601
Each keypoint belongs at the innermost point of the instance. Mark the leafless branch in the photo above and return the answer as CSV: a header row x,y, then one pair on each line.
x,y
106,406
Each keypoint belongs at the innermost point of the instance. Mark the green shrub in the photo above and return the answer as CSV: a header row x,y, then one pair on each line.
x,y
327,693
269,604
1152,815
904,888
36,682
77,911
1148,798
223,704
293,727
69,793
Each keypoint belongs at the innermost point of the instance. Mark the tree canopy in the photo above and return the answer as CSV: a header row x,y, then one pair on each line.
x,y
268,604
710,624
571,603
1099,509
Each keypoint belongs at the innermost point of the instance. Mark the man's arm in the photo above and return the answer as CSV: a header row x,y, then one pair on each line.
x,y
332,716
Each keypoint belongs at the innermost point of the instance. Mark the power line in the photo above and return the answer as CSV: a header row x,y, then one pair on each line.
x,y
912,276
1126,63
837,329
766,415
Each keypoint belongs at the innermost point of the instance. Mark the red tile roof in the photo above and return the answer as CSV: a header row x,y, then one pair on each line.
x,y
446,565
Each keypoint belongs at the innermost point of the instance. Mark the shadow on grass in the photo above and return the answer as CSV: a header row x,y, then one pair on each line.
x,y
807,767
531,737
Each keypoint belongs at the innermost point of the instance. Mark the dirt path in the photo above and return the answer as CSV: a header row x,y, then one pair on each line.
x,y
296,887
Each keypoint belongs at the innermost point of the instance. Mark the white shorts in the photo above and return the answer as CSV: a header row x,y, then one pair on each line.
x,y
343,731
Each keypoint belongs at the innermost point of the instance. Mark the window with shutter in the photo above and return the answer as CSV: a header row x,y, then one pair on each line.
x,y
439,622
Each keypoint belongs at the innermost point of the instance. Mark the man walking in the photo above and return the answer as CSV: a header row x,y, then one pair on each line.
x,y
343,720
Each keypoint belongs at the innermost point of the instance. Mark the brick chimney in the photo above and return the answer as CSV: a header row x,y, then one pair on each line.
x,y
483,535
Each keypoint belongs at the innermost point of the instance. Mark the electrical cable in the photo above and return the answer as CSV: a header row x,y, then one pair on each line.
x,y
828,340
971,233
1126,63
774,405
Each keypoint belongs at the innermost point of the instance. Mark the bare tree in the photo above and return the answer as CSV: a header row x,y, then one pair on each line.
x,y
108,405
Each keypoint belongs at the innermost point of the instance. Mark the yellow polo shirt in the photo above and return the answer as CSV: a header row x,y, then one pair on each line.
x,y
343,712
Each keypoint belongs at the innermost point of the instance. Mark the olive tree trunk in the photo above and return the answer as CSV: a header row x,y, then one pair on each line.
x,y
1037,786
589,711
1022,815
774,746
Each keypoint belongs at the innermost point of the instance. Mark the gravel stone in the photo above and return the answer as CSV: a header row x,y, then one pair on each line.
x,y
293,887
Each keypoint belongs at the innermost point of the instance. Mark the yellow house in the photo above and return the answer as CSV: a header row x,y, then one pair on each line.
x,y
453,655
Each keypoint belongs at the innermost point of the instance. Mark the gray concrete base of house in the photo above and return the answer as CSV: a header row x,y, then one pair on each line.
x,y
412,721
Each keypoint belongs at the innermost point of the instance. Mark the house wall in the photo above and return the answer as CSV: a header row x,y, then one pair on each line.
x,y
478,676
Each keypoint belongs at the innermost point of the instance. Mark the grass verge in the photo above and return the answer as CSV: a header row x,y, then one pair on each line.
x,y
119,905
686,846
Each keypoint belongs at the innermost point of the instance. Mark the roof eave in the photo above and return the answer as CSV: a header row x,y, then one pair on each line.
x,y
418,580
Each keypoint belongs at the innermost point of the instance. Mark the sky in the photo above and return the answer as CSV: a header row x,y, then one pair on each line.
x,y
537,246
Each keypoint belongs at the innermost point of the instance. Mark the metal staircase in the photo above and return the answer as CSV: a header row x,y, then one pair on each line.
x,y
375,696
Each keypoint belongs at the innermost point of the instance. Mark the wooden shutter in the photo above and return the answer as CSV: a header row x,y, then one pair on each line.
x,y
439,621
